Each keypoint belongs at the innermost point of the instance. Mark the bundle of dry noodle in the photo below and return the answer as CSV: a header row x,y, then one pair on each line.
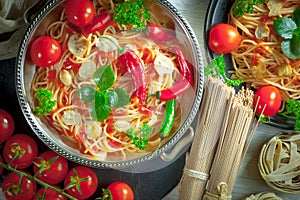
x,y
225,129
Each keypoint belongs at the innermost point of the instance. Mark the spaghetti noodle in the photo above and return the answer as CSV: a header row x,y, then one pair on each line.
x,y
82,56
259,59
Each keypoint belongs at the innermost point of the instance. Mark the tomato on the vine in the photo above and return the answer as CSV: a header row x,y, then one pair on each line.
x,y
1,168
50,167
20,151
45,51
82,178
7,125
80,12
47,193
15,187
223,38
120,191
267,100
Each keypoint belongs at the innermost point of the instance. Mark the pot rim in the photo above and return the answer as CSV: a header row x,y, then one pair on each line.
x,y
20,90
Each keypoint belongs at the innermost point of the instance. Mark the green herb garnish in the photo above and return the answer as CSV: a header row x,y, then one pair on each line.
x,y
289,30
216,68
102,97
140,138
132,12
46,103
241,7
292,111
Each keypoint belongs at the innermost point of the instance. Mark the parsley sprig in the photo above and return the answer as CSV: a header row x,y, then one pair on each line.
x,y
292,111
103,98
241,7
140,138
289,30
216,68
132,12
46,103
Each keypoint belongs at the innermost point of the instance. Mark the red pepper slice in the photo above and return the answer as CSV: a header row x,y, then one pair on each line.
x,y
184,82
99,22
180,87
158,33
131,62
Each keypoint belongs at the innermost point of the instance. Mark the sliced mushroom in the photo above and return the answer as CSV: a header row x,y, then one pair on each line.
x,y
262,31
71,117
92,129
107,44
87,69
77,45
274,7
66,77
163,65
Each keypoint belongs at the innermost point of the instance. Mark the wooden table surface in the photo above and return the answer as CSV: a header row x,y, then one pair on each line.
x,y
249,180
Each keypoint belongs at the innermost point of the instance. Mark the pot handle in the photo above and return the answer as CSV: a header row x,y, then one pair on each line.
x,y
187,139
33,10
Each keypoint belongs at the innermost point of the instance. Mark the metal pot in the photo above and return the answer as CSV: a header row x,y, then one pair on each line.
x,y
25,71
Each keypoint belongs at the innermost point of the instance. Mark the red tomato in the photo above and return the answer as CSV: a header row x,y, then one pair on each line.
x,y
45,51
55,167
223,38
7,125
1,168
49,194
120,191
83,177
20,148
268,97
80,12
12,190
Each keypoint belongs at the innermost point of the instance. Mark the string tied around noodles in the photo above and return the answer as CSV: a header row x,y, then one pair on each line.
x,y
222,189
196,174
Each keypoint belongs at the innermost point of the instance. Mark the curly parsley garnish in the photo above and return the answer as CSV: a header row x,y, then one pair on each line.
x,y
241,7
216,68
46,103
132,12
292,111
140,138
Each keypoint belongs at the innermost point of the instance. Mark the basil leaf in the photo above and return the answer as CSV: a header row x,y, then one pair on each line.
x,y
285,27
124,98
100,113
113,98
87,93
286,47
295,46
296,16
104,77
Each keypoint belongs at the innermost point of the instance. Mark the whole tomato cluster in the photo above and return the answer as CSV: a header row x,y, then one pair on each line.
x,y
46,175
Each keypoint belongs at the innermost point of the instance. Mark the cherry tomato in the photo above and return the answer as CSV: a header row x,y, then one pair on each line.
x,y
7,125
49,194
268,97
82,177
20,148
223,38
1,168
45,51
80,12
55,167
13,191
121,191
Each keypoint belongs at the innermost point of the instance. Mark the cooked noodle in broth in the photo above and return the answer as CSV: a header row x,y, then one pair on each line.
x,y
82,56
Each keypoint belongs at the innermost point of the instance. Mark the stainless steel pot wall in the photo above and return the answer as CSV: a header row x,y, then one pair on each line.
x,y
48,135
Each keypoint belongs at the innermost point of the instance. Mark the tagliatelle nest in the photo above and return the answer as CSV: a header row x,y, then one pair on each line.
x,y
264,196
279,162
